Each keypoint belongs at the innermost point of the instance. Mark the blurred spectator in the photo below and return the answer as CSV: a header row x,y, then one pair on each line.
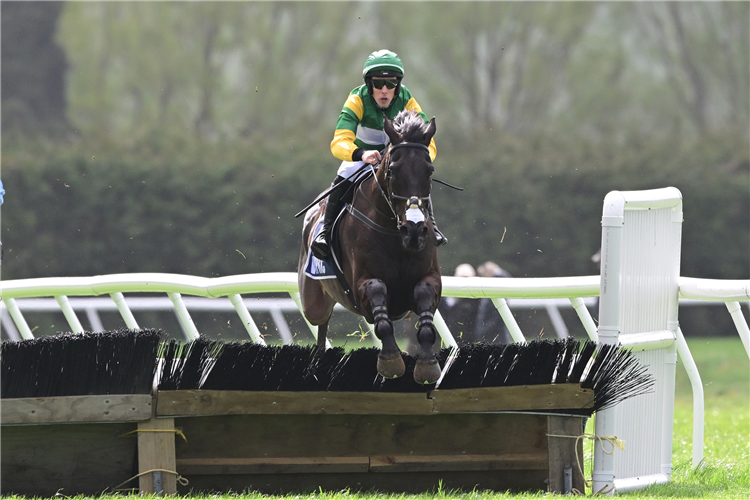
x,y
460,314
490,327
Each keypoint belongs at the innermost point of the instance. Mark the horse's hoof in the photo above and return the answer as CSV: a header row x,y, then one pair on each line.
x,y
427,371
391,365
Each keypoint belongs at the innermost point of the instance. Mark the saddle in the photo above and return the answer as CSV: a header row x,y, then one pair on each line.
x,y
330,267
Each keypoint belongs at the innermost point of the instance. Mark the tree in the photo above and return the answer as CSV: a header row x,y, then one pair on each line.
x,y
33,71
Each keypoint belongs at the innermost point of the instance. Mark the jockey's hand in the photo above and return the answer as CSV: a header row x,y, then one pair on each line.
x,y
372,157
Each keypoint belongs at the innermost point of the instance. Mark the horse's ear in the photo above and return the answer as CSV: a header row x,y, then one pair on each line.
x,y
430,131
392,134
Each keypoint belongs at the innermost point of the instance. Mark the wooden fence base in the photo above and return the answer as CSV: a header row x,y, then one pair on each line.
x,y
488,439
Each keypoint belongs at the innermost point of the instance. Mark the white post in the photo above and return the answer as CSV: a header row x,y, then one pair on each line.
x,y
585,316
443,330
69,313
18,319
608,333
698,405
125,312
510,321
191,332
247,320
739,322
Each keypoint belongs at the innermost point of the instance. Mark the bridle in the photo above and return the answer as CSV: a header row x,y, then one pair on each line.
x,y
414,204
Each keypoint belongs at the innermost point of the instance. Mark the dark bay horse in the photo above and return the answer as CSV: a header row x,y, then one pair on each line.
x,y
388,254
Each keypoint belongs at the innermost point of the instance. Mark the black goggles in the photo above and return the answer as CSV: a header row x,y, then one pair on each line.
x,y
379,82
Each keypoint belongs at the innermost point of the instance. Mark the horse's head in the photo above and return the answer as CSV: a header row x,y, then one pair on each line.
x,y
407,175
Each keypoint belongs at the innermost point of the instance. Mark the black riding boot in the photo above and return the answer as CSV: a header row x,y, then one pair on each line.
x,y
321,245
440,239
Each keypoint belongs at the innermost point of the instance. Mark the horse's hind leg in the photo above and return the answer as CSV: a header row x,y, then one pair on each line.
x,y
427,369
322,335
317,305
390,362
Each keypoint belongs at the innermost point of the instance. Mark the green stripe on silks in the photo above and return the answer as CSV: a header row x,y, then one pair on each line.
x,y
118,362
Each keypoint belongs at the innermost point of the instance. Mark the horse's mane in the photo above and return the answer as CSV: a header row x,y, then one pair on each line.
x,y
410,125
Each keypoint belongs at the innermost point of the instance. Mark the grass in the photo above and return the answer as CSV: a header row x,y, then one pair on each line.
x,y
725,473
725,373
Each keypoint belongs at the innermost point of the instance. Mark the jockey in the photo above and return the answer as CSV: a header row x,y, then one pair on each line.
x,y
359,136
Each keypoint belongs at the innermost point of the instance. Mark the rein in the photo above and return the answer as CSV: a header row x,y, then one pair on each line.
x,y
414,202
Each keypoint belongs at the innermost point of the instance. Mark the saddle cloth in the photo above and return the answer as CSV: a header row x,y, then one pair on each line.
x,y
319,269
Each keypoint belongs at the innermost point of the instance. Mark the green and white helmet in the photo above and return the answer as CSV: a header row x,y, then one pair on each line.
x,y
383,63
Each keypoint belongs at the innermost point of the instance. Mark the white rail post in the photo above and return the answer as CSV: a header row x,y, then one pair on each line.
x,y
7,324
510,321
443,330
191,332
698,404
247,319
94,320
585,316
125,312
70,315
18,319
284,331
739,322
557,321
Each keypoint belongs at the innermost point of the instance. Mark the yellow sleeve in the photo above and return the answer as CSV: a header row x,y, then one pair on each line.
x,y
433,150
412,105
342,145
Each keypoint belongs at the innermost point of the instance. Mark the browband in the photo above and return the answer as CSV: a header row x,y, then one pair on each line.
x,y
410,145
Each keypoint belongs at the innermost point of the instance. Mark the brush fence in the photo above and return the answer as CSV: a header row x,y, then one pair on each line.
x,y
639,288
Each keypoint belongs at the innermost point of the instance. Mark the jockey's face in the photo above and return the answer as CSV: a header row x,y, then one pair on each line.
x,y
384,95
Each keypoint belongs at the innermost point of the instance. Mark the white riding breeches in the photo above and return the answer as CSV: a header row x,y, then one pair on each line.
x,y
348,168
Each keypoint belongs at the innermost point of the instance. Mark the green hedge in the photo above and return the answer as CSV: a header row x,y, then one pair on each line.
x,y
534,208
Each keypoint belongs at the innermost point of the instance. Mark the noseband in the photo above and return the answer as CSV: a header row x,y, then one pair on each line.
x,y
415,205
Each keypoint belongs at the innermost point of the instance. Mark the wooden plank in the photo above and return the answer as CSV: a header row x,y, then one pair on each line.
x,y
565,452
278,436
545,397
481,399
66,459
200,402
70,409
156,452
290,465
381,464
443,463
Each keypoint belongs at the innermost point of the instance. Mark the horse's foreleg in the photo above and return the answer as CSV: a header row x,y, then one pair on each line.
x,y
427,369
390,362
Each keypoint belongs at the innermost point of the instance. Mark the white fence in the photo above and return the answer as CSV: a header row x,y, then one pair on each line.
x,y
281,311
640,290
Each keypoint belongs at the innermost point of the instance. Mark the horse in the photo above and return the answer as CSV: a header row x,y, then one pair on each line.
x,y
388,256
